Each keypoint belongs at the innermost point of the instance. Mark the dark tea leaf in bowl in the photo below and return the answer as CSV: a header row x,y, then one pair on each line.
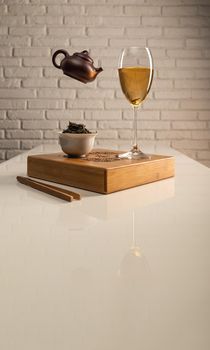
x,y
74,128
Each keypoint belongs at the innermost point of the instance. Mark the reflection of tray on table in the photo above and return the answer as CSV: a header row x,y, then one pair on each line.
x,y
100,171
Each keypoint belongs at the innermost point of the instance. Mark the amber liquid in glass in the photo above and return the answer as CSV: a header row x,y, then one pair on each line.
x,y
135,83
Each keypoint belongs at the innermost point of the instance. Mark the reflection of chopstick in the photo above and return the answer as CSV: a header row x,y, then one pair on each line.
x,y
49,189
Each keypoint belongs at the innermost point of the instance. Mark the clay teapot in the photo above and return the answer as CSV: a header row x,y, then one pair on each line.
x,y
78,66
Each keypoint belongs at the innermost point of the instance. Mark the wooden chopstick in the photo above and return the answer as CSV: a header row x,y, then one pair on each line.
x,y
52,190
75,195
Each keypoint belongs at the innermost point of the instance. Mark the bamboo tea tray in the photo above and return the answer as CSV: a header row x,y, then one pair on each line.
x,y
100,171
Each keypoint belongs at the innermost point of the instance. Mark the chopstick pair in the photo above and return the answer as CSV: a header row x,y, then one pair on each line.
x,y
55,191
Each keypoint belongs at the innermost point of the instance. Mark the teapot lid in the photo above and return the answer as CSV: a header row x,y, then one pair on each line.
x,y
84,55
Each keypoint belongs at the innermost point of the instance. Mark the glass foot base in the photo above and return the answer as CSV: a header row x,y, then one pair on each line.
x,y
134,154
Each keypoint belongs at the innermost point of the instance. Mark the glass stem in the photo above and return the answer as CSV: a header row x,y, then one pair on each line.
x,y
135,145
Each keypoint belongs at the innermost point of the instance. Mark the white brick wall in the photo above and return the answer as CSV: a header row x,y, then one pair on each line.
x,y
36,100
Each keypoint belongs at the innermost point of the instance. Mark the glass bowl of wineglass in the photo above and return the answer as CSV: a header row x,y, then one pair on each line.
x,y
135,70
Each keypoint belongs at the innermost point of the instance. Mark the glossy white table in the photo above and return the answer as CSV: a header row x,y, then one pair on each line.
x,y
126,271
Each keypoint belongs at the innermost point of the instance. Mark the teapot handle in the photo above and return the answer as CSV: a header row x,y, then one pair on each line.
x,y
55,55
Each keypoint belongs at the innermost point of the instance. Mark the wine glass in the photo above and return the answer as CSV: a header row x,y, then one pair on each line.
x,y
135,70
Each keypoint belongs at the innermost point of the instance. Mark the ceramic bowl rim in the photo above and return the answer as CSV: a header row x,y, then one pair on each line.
x,y
82,135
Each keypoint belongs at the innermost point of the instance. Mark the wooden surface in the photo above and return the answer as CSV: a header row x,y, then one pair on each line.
x,y
102,177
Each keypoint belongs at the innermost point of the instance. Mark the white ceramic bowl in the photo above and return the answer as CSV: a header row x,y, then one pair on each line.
x,y
77,145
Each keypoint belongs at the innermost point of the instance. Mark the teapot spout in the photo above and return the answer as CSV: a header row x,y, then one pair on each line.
x,y
98,70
